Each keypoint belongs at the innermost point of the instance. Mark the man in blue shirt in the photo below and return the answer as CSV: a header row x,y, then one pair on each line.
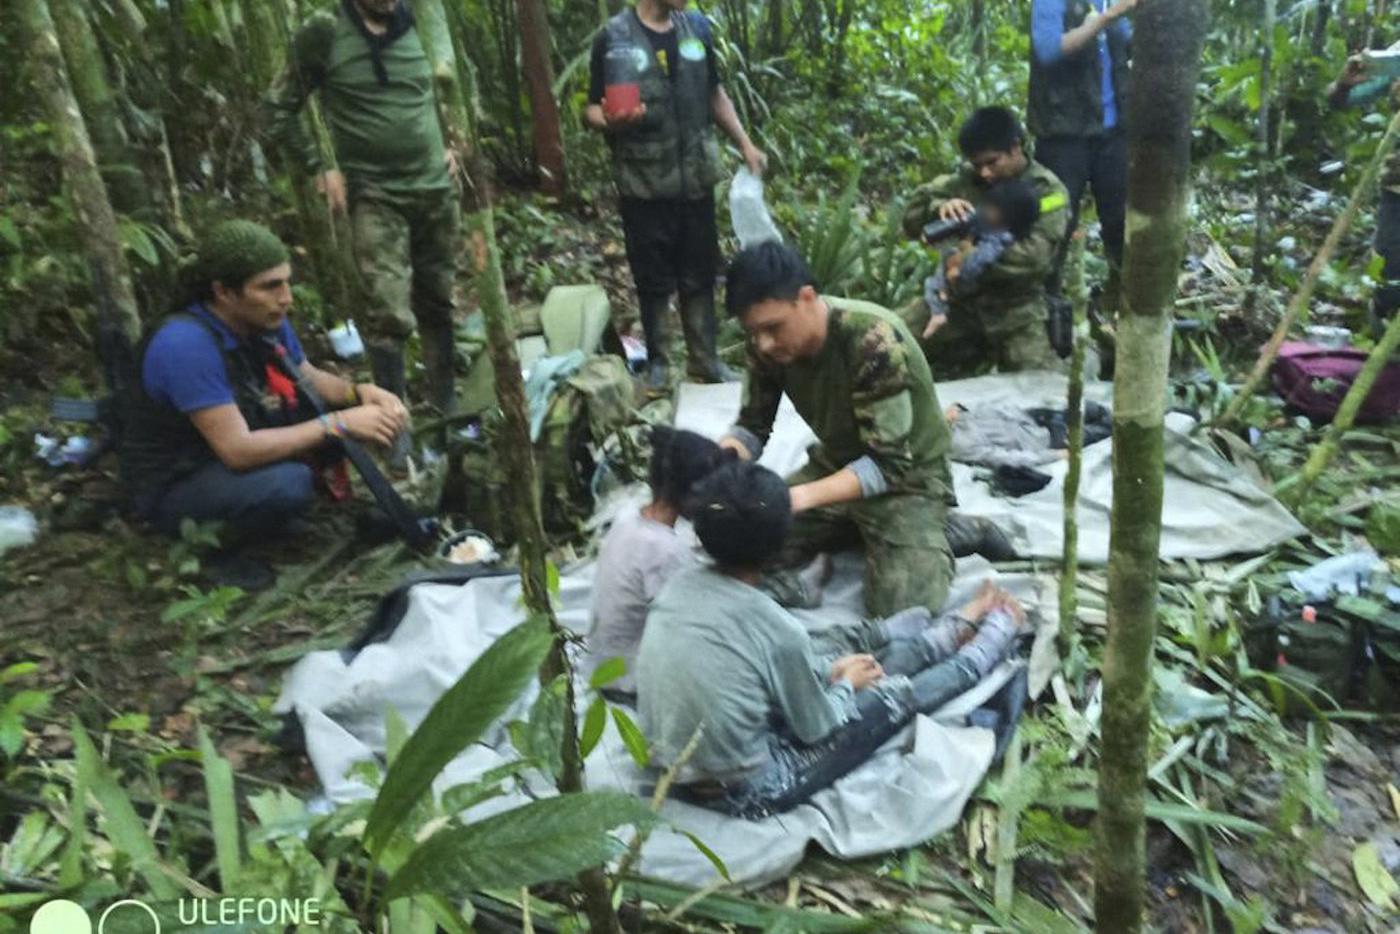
x,y
1078,97
216,430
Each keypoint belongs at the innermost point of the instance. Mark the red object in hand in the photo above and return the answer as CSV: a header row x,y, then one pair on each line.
x,y
621,100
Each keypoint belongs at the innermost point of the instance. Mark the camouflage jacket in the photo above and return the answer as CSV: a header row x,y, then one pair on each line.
x,y
867,394
1014,286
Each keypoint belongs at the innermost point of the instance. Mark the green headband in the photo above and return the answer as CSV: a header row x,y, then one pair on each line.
x,y
235,251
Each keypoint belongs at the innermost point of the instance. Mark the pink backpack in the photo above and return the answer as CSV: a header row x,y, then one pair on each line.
x,y
1313,379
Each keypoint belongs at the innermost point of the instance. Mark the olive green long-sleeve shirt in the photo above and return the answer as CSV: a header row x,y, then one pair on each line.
x,y
386,134
868,394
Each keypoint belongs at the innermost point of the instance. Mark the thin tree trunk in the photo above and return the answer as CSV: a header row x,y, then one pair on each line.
x,y
88,73
979,31
1319,32
1305,290
1264,178
547,134
1294,492
773,31
1166,63
1074,421
514,448
260,26
96,221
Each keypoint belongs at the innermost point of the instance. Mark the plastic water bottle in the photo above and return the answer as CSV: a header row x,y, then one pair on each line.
x,y
747,211
622,89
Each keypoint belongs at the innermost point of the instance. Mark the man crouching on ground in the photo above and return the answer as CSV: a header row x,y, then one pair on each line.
x,y
217,431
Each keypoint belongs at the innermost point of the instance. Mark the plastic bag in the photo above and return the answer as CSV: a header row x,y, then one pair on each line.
x,y
17,528
749,215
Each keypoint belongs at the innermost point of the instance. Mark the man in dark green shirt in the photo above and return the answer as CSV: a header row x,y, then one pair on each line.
x,y
878,474
392,172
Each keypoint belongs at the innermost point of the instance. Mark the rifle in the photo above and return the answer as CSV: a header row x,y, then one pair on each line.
x,y
420,534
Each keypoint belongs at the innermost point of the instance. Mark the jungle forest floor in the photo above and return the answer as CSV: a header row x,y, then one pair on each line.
x,y
1260,821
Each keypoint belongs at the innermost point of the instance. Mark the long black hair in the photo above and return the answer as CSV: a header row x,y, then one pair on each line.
x,y
679,460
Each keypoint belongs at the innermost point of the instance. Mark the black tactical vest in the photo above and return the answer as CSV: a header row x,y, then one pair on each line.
x,y
672,152
160,444
1066,98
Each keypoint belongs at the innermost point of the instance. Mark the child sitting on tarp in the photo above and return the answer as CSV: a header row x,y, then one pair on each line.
x,y
776,722
643,549
1006,214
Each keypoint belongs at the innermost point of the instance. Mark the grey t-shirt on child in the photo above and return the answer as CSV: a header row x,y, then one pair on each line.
x,y
637,557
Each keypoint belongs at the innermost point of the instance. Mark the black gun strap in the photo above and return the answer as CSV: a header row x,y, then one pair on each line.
x,y
388,498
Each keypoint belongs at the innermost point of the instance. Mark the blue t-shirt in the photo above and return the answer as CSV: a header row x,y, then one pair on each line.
x,y
1048,25
184,365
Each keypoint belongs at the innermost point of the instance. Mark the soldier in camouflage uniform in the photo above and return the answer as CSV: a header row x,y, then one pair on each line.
x,y
1354,87
878,475
1001,320
392,170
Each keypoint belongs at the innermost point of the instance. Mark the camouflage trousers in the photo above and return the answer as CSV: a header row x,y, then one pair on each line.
x,y
406,254
907,559
966,346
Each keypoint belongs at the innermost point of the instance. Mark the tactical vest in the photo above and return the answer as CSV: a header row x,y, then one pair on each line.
x,y
1066,98
672,152
161,445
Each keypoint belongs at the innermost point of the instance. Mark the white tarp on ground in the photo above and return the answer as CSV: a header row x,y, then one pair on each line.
x,y
1210,509
914,789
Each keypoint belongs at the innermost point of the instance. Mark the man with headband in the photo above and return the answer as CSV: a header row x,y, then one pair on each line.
x,y
216,431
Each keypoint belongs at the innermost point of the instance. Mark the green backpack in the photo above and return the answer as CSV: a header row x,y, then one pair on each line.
x,y
582,415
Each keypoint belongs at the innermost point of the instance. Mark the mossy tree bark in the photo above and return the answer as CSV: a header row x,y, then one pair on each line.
x,y
87,71
96,221
514,447
1264,179
1166,63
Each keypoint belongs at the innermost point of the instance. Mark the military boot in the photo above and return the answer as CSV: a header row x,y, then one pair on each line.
x,y
969,535
440,362
698,320
386,363
653,313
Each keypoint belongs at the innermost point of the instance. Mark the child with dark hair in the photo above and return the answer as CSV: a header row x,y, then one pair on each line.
x,y
1006,215
642,550
776,721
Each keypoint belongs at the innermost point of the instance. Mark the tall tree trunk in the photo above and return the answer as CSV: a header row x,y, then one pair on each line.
x,y
269,26
773,31
979,31
88,73
513,447
1359,195
1264,177
1319,30
1074,420
539,81
1166,62
96,221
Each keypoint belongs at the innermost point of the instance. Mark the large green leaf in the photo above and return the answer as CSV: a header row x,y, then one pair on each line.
x,y
223,812
537,842
124,826
456,721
